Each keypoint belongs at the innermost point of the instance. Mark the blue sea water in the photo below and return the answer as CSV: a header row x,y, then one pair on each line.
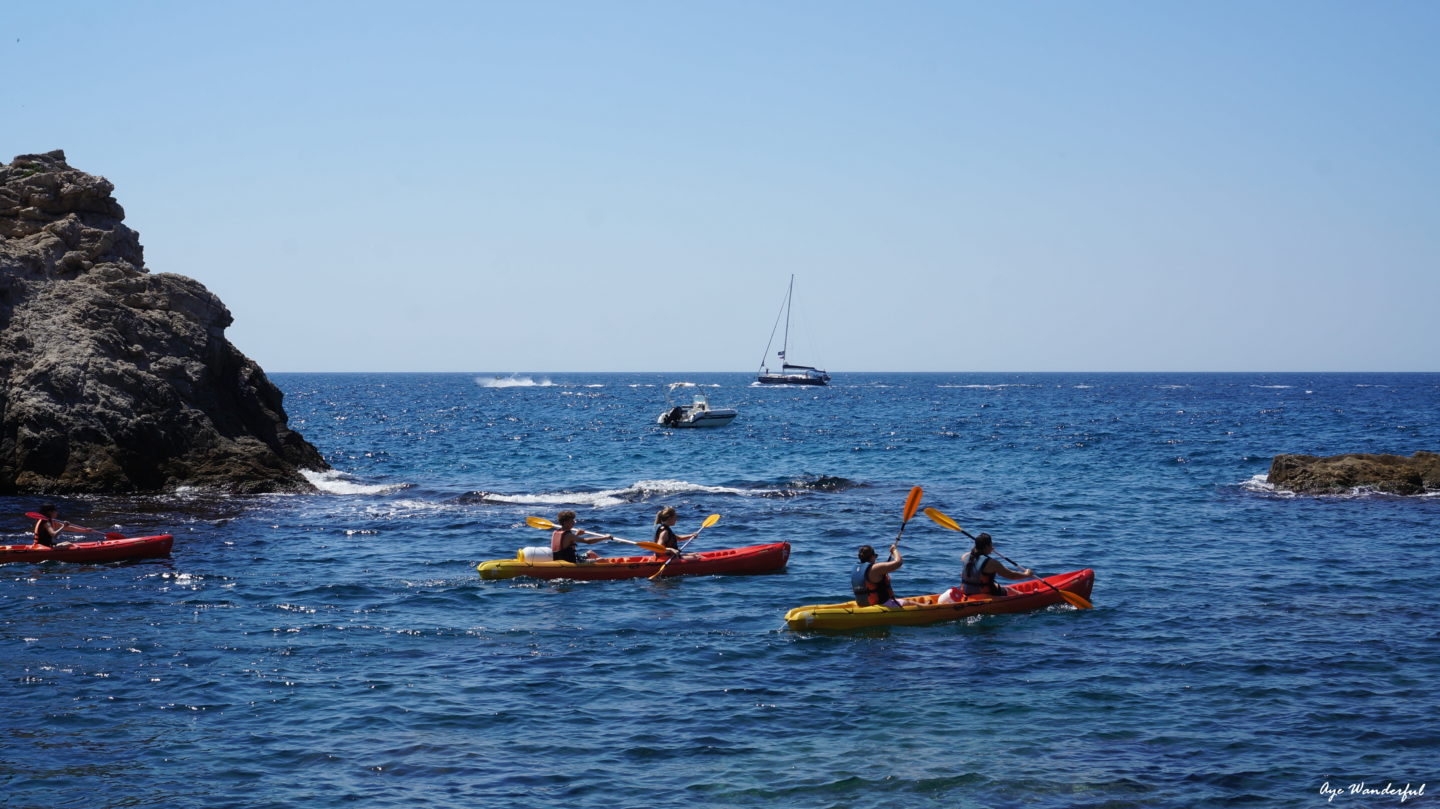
x,y
1247,647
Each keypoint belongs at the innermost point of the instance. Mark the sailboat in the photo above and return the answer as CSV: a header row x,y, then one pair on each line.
x,y
789,374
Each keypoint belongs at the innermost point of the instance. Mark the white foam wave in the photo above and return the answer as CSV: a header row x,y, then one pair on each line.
x,y
640,490
1261,485
513,381
988,387
337,482
1273,387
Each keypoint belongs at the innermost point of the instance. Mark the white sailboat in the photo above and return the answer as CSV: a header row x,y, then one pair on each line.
x,y
789,374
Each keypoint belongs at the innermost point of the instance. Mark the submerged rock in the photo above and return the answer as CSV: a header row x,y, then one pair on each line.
x,y
1337,474
114,379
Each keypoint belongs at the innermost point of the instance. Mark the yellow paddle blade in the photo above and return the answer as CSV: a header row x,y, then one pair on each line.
x,y
711,520
941,520
653,546
1078,600
912,503
540,522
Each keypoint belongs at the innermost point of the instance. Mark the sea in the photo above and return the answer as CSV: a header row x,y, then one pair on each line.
x,y
1247,646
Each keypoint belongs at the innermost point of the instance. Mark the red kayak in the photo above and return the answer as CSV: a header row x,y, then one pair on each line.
x,y
754,559
105,550
917,610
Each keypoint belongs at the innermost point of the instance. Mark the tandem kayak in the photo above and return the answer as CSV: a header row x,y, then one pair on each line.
x,y
105,550
1022,597
754,559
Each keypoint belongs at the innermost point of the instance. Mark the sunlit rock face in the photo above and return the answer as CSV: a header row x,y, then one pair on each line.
x,y
1338,474
113,378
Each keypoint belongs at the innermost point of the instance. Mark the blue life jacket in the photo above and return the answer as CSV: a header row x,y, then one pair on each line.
x,y
869,593
974,580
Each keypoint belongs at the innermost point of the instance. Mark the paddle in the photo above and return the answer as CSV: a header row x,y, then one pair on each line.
x,y
38,516
541,522
709,521
943,521
911,503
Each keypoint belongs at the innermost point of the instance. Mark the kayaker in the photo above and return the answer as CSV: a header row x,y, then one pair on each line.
x,y
978,575
870,580
665,529
562,542
47,531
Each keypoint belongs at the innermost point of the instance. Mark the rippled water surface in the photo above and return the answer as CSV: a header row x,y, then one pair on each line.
x,y
338,649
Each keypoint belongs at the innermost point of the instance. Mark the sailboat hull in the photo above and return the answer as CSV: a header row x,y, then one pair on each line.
x,y
781,379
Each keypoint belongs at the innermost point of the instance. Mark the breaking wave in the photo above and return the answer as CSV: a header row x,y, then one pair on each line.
x,y
337,482
512,381
644,490
1260,485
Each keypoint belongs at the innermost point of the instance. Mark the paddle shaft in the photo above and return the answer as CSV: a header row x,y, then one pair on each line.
x,y
945,521
681,549
34,515
541,522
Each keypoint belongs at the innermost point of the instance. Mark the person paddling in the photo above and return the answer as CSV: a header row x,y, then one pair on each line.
x,y
562,541
665,530
978,576
870,580
47,531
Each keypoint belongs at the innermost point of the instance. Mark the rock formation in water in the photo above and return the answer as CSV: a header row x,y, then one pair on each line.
x,y
114,379
1338,474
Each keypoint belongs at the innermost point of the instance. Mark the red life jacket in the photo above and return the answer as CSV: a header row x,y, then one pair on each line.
x,y
43,537
559,551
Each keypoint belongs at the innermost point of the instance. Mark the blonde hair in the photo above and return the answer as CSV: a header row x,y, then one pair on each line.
x,y
665,514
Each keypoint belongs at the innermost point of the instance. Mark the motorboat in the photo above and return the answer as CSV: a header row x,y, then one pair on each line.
x,y
698,413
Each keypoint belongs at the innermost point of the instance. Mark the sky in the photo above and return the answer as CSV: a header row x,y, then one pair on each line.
x,y
547,186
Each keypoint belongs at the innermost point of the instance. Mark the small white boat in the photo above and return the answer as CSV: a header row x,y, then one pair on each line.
x,y
698,413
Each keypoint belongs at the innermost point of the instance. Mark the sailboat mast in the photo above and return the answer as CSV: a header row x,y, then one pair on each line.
x,y
788,293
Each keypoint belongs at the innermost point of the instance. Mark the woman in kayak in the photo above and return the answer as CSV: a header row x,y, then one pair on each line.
x,y
870,580
665,530
978,576
47,531
562,542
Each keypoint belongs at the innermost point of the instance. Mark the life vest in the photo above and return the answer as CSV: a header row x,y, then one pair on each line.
x,y
974,580
665,535
43,537
559,551
869,593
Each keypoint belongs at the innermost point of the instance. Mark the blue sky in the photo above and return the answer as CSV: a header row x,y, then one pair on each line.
x,y
592,186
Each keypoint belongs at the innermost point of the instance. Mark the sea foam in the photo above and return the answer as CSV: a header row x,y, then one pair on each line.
x,y
512,381
337,482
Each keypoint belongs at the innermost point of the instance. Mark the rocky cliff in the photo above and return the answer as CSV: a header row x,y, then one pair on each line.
x,y
114,379
1338,474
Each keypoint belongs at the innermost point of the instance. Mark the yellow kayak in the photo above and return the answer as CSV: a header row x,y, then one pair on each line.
x,y
918,610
